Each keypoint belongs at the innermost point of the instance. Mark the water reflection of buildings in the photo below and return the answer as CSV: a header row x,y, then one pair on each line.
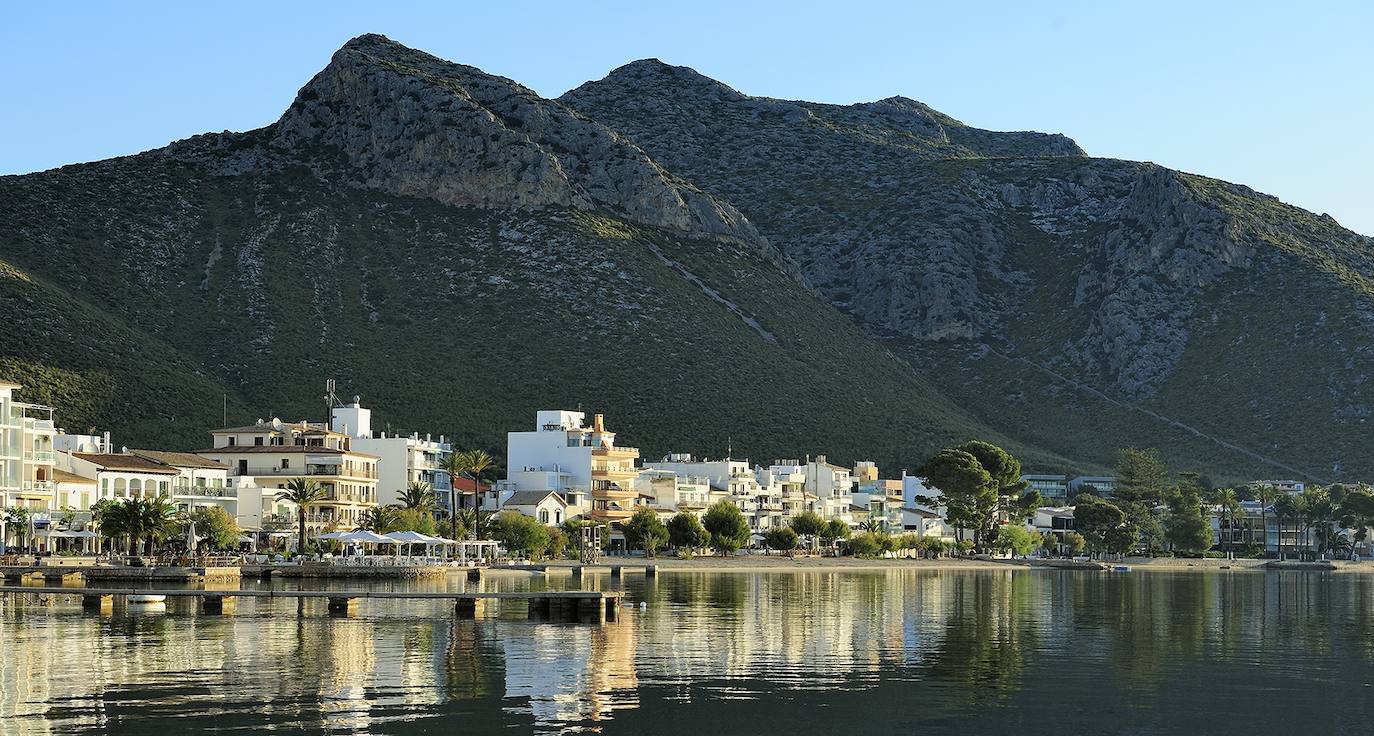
x,y
571,674
819,630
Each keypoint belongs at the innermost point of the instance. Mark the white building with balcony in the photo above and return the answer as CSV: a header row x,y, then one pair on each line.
x,y
669,493
199,483
270,453
27,456
119,475
584,465
732,480
401,459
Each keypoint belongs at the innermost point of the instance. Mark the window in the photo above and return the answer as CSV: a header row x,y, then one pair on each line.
x,y
543,516
257,441
285,463
243,467
233,440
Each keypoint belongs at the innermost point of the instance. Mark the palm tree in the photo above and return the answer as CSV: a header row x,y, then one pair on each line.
x,y
418,495
1266,495
304,492
156,519
1229,503
453,465
871,526
475,464
1286,507
378,519
121,519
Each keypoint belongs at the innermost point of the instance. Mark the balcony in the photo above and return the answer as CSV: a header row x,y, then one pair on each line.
x,y
329,471
36,486
40,456
616,451
204,491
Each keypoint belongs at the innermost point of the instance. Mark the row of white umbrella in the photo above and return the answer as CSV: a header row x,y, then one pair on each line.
x,y
363,536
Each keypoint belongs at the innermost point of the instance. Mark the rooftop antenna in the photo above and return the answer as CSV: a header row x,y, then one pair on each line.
x,y
729,447
331,400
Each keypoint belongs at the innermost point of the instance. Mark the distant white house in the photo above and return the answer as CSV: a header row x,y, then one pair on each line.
x,y
547,507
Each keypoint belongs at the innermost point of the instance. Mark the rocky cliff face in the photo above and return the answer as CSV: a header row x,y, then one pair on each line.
x,y
391,118
1015,263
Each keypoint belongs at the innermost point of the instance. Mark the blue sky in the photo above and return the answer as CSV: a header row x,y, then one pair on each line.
x,y
1271,95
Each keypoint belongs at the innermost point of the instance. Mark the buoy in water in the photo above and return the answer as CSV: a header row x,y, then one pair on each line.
x,y
643,605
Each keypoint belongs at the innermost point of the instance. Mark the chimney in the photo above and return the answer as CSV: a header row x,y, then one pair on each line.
x,y
599,423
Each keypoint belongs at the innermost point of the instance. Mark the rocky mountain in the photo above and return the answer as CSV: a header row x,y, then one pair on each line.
x,y
1079,304
459,252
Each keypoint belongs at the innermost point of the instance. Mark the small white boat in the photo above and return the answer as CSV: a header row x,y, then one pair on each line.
x,y
146,599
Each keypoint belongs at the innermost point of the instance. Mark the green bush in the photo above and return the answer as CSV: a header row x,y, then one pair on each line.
x,y
519,533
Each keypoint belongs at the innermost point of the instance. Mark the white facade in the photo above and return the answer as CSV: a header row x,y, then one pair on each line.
x,y
401,460
269,454
732,480
27,457
583,464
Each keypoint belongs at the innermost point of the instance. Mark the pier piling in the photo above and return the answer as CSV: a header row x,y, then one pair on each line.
x,y
470,607
343,607
218,605
98,603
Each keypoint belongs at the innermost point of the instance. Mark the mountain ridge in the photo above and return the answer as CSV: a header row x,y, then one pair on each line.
x,y
952,243
270,260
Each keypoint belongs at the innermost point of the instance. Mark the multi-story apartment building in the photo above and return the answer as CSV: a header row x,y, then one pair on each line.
x,y
583,464
882,500
733,480
1052,488
269,454
402,459
832,486
669,493
789,479
1101,485
27,459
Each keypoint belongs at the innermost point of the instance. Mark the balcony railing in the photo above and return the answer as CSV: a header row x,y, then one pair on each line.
x,y
39,486
337,471
205,491
40,456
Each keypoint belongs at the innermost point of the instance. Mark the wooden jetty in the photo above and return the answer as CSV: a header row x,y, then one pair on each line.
x,y
587,606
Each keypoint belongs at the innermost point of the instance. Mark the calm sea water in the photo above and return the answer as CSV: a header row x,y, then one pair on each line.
x,y
901,652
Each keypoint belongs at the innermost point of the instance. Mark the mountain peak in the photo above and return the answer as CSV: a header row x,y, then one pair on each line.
x,y
386,116
667,78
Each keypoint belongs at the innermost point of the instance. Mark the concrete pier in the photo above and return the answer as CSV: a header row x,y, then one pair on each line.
x,y
555,605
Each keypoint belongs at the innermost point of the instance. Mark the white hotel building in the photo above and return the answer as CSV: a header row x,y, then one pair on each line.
x,y
27,459
401,460
582,464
